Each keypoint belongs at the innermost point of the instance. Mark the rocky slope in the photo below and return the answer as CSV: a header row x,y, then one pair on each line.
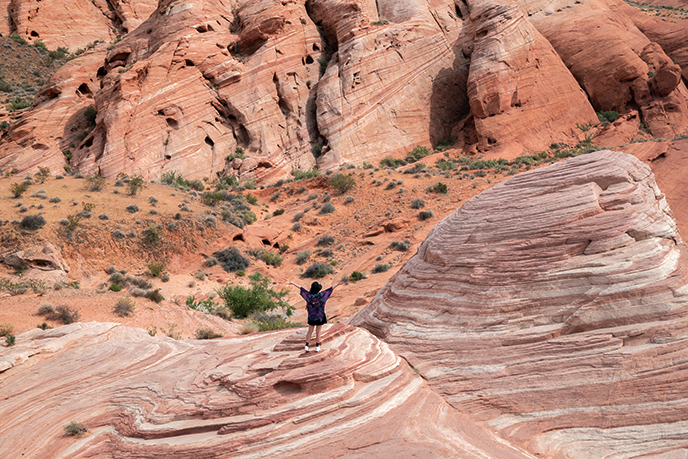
x,y
324,82
259,396
559,320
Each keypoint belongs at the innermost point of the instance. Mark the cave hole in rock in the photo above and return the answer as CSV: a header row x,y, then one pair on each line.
x,y
34,34
239,237
122,56
210,28
276,245
89,143
209,141
491,141
266,242
125,31
168,156
287,388
101,72
316,47
174,124
189,63
84,89
309,60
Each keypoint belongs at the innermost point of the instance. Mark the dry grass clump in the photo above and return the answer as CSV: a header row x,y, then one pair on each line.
x,y
46,308
125,306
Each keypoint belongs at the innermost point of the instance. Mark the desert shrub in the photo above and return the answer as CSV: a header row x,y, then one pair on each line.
x,y
165,277
251,199
268,322
115,288
117,234
75,429
152,294
327,208
417,153
298,216
196,185
296,226
231,259
6,329
44,326
171,331
389,161
271,258
124,306
278,212
135,185
317,270
152,234
95,183
607,117
84,214
304,175
210,261
156,268
64,314
46,308
438,187
200,275
55,199
207,333
357,276
259,297
342,183
349,200
325,241
139,282
17,189
10,340
381,268
248,216
132,208
402,246
302,257
425,214
206,306
32,222
417,204
327,253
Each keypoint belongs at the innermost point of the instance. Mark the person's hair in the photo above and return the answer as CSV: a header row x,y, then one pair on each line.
x,y
315,288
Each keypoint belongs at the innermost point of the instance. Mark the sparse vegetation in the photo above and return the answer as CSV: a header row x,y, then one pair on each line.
x,y
417,204
152,234
32,222
64,314
243,302
17,189
325,241
402,246
302,257
357,276
156,268
342,183
317,271
381,267
305,175
95,183
417,153
124,307
425,214
75,429
438,187
327,208
231,259
271,258
6,329
135,185
207,333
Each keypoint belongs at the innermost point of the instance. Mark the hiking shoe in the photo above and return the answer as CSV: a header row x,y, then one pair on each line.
x,y
317,347
307,348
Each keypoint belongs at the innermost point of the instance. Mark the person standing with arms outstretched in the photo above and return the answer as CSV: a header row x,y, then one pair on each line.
x,y
315,304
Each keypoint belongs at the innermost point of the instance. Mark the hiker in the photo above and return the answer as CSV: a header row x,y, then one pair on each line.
x,y
315,304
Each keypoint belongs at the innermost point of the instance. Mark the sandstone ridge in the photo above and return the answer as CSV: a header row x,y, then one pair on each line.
x,y
258,396
552,308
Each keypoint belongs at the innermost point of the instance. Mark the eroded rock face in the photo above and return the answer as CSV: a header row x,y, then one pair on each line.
x,y
76,23
553,308
257,396
42,263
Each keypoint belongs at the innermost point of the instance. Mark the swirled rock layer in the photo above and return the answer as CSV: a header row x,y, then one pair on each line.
x,y
554,308
258,396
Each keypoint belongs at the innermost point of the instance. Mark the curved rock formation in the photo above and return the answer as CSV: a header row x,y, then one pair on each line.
x,y
257,396
554,308
77,23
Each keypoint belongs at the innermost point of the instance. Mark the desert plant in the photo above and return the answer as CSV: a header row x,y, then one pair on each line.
x,y
438,187
271,258
64,314
207,333
325,241
46,308
607,117
17,189
267,322
75,429
200,275
152,234
417,153
425,214
135,185
304,175
296,226
32,222
302,257
381,267
156,268
402,246
44,326
417,204
258,298
90,114
124,306
278,212
342,183
6,329
10,339
115,288
231,259
317,270
357,276
88,206
95,182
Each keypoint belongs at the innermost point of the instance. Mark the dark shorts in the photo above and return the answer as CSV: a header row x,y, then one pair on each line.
x,y
318,322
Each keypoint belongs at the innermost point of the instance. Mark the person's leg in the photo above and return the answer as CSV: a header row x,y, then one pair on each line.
x,y
317,337
308,335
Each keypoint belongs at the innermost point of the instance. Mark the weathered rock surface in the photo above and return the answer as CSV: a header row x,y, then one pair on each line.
x,y
258,396
553,308
76,23
44,263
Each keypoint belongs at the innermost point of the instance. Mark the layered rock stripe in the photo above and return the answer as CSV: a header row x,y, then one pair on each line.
x,y
552,308
256,396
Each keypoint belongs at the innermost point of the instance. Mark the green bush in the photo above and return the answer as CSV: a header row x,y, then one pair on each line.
x,y
317,271
64,314
74,429
342,183
357,276
389,161
417,153
381,267
607,117
18,103
425,214
231,259
278,212
32,222
135,185
10,340
417,204
17,189
325,241
302,257
274,322
156,268
402,246
258,298
115,288
327,208
305,175
271,258
16,37
152,234
90,114
438,187
207,333
124,307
